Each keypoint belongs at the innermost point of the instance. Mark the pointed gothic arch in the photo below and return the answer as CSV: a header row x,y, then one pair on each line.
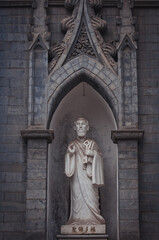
x,y
103,85
94,108
82,69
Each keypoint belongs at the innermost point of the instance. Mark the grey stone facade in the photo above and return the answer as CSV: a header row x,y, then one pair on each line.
x,y
39,66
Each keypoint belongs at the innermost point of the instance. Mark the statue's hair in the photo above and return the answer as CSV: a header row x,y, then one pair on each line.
x,y
80,118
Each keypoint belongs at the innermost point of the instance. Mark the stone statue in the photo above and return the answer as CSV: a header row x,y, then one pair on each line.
x,y
84,167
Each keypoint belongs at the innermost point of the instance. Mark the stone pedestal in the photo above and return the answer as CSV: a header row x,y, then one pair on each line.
x,y
83,229
82,237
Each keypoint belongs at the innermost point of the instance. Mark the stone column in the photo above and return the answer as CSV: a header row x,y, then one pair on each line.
x,y
36,194
128,182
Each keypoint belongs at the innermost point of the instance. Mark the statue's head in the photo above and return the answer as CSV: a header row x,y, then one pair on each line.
x,y
81,126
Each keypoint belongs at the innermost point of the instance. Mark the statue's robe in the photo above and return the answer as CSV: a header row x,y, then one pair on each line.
x,y
86,175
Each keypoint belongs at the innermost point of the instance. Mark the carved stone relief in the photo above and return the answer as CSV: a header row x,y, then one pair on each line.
x,y
99,26
83,39
83,44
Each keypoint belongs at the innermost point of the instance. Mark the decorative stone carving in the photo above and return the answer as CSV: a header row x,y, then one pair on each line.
x,y
54,53
84,167
83,44
67,26
39,27
96,4
126,21
67,23
73,43
99,25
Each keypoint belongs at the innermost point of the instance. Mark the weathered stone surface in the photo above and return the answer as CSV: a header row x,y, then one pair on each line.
x,y
35,235
36,214
129,184
36,174
36,204
133,134
36,194
14,217
36,184
38,144
38,134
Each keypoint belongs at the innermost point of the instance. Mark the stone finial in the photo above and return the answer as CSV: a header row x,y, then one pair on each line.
x,y
126,21
39,24
39,17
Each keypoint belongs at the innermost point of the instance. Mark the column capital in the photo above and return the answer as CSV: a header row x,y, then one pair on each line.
x,y
47,134
127,134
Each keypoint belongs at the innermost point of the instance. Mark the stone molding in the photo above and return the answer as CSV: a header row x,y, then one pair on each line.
x,y
16,3
38,134
73,237
106,3
146,3
133,134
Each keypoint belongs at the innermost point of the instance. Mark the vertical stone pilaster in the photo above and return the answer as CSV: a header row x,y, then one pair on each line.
x,y
38,64
36,193
128,182
127,66
127,139
36,137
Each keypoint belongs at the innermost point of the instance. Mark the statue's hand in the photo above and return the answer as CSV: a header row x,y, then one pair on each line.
x,y
71,148
89,153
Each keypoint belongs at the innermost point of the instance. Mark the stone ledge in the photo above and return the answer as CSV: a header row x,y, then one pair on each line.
x,y
47,134
109,3
28,3
127,134
16,3
82,237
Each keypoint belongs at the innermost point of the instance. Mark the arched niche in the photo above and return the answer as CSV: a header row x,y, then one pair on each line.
x,y
83,101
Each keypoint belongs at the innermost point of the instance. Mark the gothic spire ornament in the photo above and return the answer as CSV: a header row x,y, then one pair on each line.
x,y
83,36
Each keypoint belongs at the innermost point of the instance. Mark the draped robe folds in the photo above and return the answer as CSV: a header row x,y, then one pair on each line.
x,y
86,175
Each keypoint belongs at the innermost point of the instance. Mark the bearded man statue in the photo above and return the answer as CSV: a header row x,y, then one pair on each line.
x,y
84,167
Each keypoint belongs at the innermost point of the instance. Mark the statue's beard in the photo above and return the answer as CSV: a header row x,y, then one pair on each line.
x,y
81,134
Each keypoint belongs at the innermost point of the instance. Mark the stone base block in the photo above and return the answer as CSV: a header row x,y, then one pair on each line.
x,y
83,229
83,237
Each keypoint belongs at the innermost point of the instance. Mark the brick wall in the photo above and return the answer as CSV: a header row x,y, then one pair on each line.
x,y
148,83
109,14
14,24
56,14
